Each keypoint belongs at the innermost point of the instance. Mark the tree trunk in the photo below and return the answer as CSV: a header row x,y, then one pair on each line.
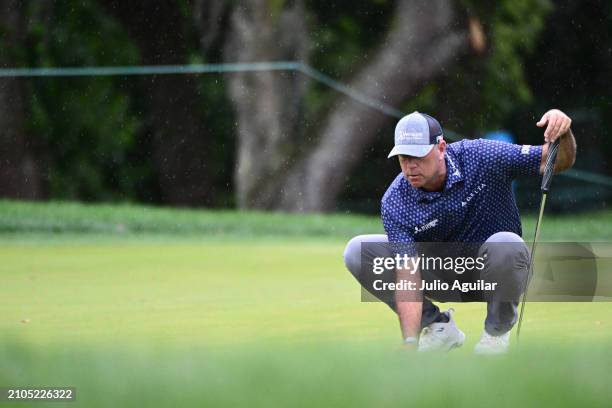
x,y
425,38
209,18
180,140
423,42
20,175
268,104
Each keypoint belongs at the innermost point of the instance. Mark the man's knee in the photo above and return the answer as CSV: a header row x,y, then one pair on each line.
x,y
352,251
359,254
506,250
505,236
507,264
352,255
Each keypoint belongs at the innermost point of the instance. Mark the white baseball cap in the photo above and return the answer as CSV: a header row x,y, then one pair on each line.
x,y
416,134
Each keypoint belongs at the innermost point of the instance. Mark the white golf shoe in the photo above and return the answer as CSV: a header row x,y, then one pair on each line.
x,y
492,344
441,336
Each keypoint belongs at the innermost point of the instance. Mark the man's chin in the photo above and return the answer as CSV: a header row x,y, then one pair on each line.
x,y
416,182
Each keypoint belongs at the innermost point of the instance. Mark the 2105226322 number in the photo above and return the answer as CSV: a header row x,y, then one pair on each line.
x,y
37,393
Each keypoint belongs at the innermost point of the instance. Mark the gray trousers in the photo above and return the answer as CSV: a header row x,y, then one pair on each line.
x,y
509,263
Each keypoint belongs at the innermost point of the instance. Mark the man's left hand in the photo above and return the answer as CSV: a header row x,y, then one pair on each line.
x,y
557,123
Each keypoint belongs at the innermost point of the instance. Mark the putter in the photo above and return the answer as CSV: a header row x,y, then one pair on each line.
x,y
553,148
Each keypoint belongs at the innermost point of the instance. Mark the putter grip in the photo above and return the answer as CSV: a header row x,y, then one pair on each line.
x,y
553,149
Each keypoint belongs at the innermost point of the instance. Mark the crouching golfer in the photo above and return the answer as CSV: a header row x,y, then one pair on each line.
x,y
458,192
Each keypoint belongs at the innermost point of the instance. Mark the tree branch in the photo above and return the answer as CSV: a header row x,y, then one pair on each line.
x,y
422,43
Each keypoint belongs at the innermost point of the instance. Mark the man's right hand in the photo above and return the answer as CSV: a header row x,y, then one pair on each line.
x,y
409,304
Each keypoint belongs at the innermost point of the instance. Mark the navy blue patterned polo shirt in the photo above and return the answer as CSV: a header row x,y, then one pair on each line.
x,y
476,201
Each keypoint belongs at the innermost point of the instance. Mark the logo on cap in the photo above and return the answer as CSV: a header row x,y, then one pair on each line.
x,y
406,136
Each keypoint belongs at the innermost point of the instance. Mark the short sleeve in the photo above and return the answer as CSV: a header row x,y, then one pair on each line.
x,y
400,240
512,160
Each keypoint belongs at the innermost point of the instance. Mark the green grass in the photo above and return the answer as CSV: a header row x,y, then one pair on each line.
x,y
74,220
128,220
265,316
319,377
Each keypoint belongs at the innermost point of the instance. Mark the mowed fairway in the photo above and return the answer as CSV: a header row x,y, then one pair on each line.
x,y
205,321
220,295
209,294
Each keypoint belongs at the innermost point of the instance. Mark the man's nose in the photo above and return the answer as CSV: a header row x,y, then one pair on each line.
x,y
412,162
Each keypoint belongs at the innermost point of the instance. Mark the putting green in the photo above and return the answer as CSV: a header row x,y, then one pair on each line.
x,y
182,321
222,294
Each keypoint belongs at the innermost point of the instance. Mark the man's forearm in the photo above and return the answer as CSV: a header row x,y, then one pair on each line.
x,y
409,314
566,155
567,152
409,304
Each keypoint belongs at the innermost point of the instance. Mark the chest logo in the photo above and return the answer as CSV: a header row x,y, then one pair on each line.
x,y
427,226
473,194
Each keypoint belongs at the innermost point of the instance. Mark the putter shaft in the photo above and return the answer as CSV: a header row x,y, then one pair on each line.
x,y
531,261
549,168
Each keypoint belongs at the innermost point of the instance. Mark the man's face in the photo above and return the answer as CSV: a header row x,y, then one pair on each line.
x,y
428,172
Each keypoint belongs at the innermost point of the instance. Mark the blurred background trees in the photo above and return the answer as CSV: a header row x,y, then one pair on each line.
x,y
277,140
20,173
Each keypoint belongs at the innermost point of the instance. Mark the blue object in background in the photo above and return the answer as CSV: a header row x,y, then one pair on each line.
x,y
503,136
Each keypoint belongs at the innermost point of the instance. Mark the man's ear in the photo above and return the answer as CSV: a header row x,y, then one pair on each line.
x,y
442,148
